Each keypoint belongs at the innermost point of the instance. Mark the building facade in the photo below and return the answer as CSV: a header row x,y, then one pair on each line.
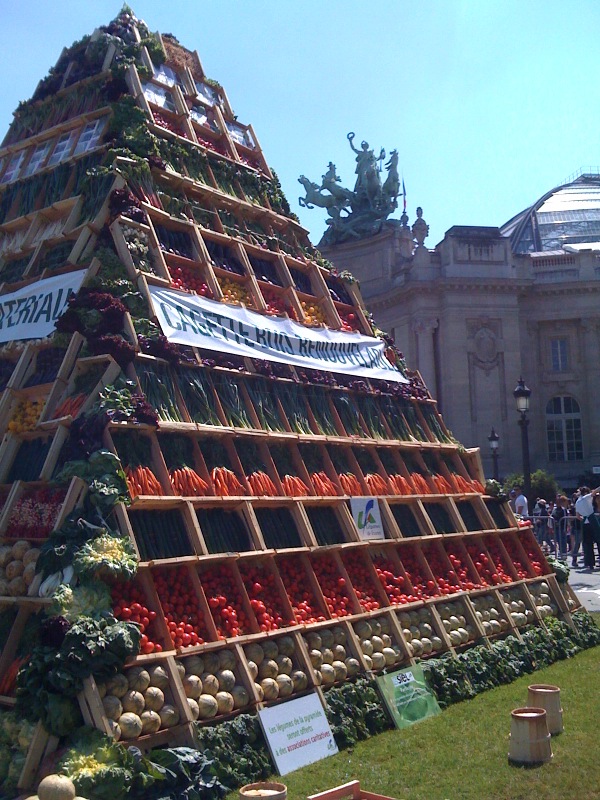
x,y
488,305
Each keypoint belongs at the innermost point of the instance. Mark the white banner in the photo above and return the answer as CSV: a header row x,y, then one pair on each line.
x,y
194,320
297,732
31,312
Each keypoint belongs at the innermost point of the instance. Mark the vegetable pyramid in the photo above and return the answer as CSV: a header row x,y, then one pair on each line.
x,y
220,484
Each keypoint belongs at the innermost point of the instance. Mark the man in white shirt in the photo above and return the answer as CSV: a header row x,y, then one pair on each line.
x,y
584,510
521,505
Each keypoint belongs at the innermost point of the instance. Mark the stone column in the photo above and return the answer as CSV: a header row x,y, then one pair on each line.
x,y
424,328
591,429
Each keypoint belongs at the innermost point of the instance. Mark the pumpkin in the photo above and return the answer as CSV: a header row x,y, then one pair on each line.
x,y
56,787
130,725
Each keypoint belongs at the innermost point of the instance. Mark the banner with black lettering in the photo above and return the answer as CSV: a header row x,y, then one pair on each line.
x,y
194,320
31,312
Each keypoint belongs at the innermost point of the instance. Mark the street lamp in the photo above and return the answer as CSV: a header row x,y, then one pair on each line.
x,y
522,394
493,439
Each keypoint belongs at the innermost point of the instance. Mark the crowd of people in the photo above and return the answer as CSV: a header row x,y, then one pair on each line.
x,y
566,526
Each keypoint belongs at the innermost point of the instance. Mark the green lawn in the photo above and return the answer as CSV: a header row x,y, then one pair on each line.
x,y
462,753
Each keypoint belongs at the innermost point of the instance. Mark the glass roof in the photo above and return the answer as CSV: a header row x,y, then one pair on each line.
x,y
569,214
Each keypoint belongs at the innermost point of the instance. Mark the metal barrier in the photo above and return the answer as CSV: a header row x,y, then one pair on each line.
x,y
561,536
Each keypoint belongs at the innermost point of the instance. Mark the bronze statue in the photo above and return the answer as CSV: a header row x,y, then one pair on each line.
x,y
361,212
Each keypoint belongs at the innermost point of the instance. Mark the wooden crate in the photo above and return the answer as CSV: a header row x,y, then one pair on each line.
x,y
83,366
42,745
351,790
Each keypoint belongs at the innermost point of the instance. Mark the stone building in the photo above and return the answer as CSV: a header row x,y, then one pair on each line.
x,y
488,305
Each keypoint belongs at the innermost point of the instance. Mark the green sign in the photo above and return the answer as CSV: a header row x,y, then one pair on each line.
x,y
407,696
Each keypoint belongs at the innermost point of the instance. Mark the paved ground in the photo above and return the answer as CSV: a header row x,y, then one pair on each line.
x,y
586,586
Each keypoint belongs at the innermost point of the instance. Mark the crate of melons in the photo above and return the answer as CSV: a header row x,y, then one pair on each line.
x,y
519,606
421,632
491,614
214,683
459,622
377,643
542,597
140,701
333,654
277,667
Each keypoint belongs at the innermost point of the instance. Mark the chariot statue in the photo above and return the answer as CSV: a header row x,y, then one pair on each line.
x,y
360,212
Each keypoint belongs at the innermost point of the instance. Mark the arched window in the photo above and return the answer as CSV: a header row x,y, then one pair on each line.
x,y
563,429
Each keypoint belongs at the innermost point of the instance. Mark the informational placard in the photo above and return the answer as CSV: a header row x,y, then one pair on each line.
x,y
407,696
297,732
367,517
31,312
194,320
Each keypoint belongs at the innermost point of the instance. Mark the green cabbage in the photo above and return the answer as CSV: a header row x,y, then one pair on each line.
x,y
88,600
106,556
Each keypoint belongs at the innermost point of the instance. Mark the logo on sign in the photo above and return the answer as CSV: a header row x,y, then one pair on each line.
x,y
366,517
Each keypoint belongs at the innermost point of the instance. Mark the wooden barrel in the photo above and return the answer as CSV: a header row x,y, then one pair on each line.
x,y
544,695
529,736
267,789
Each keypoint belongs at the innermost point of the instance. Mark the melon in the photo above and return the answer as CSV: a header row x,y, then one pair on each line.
x,y
340,670
117,685
259,692
194,709
389,656
154,698
150,721
363,629
327,639
133,701
139,679
353,667
377,643
253,669
224,702
328,674
270,688
130,725
169,716
112,706
314,641
368,661
287,646
159,677
339,636
285,684
299,680
240,696
254,652
56,787
285,665
192,686
227,659
268,669
210,684
114,730
194,665
270,649
207,706
316,658
378,660
211,662
327,654
339,652
226,680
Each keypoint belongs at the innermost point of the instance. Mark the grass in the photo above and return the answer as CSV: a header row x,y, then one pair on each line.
x,y
462,753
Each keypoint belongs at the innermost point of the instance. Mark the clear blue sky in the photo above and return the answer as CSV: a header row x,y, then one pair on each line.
x,y
489,103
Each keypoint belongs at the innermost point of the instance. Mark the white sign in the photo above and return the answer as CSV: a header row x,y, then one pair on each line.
x,y
31,312
297,733
595,470
194,320
367,517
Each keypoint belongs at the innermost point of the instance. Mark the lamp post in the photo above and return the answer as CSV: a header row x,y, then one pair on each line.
x,y
493,439
522,394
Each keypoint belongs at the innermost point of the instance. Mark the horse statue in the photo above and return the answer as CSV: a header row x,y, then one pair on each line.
x,y
314,196
391,187
330,184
